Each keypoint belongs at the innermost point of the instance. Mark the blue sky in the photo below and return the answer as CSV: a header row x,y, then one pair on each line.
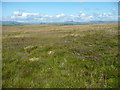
x,y
60,0
59,11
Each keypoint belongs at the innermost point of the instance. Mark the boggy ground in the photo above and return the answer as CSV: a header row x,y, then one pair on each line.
x,y
60,56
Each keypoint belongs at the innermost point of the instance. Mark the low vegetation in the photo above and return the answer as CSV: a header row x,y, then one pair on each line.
x,y
60,56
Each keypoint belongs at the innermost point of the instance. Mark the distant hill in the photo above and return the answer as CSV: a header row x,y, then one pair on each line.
x,y
79,23
13,23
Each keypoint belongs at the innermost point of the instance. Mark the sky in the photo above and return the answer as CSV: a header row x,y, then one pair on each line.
x,y
59,11
60,0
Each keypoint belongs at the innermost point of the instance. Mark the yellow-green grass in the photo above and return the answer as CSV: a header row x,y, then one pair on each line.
x,y
60,56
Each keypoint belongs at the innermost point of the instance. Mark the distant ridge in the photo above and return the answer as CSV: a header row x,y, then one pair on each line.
x,y
14,23
10,23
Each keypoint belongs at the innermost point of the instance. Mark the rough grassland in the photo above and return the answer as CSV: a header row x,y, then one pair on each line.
x,y
60,56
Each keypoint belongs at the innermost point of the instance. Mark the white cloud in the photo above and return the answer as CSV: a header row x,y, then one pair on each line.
x,y
24,14
60,15
30,14
17,13
106,15
81,17
18,17
82,14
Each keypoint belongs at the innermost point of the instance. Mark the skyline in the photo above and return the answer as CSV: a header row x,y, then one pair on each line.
x,y
59,11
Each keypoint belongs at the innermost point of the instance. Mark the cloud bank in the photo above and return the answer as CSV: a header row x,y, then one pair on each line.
x,y
80,17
